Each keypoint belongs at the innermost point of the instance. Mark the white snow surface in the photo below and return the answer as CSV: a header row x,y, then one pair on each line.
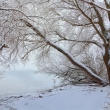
x,y
62,98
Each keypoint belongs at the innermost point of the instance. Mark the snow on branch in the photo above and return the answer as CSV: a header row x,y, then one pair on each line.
x,y
95,77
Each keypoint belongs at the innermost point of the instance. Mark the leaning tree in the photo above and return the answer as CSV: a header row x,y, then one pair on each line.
x,y
73,35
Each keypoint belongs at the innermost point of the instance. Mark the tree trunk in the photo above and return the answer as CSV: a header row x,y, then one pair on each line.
x,y
106,59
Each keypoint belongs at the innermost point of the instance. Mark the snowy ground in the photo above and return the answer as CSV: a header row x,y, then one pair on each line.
x,y
62,98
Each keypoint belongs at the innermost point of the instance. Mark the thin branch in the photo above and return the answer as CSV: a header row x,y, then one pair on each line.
x,y
31,50
92,3
101,22
11,9
84,41
74,24
108,7
100,34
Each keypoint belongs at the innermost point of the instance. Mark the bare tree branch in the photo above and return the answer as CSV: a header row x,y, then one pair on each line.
x,y
64,52
94,4
100,34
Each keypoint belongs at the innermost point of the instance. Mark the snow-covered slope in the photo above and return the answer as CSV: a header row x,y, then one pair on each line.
x,y
63,98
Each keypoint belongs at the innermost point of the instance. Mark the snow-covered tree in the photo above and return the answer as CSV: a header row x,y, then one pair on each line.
x,y
72,34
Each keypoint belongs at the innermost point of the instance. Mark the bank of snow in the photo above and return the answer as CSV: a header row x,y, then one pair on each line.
x,y
63,98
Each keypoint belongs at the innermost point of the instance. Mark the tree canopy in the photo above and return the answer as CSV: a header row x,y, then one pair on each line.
x,y
68,37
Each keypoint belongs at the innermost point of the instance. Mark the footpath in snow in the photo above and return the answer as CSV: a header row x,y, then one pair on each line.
x,y
62,98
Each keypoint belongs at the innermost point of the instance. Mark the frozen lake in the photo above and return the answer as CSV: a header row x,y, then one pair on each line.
x,y
23,79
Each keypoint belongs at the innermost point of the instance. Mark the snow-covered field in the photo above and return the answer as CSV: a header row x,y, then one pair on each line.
x,y
62,98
